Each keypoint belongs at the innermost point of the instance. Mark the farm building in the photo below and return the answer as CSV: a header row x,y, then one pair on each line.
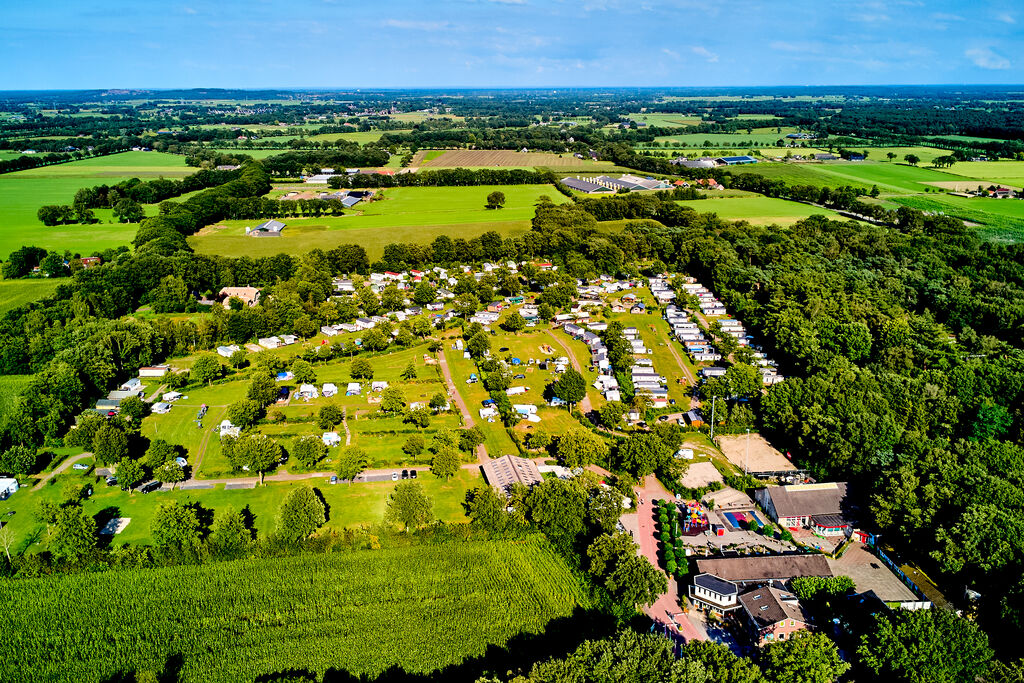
x,y
772,614
581,185
706,162
821,507
757,569
249,296
736,161
502,472
269,228
154,370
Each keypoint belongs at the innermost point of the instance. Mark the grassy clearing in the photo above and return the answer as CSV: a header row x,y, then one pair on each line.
x,y
15,293
666,120
758,210
419,608
23,192
1009,172
405,214
1000,219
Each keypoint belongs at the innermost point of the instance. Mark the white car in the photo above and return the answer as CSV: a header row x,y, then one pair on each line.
x,y
79,466
394,476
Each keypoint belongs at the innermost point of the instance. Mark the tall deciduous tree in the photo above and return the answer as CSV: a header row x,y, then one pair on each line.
x,y
351,462
301,514
805,658
409,505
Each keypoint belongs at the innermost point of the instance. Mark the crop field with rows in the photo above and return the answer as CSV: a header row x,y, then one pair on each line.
x,y
420,609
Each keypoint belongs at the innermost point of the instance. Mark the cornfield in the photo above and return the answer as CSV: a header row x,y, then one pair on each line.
x,y
418,608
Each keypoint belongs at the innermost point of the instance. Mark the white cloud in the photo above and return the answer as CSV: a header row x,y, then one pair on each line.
x,y
671,53
790,46
1006,18
987,58
417,25
707,54
189,10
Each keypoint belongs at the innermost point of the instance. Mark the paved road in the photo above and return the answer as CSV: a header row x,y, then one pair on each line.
x,y
585,406
453,391
63,467
667,610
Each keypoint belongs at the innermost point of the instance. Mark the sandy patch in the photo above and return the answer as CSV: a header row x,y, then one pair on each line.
x,y
762,456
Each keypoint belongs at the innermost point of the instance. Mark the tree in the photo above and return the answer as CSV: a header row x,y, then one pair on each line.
x,y
721,665
253,453
514,323
303,372
53,265
18,460
438,402
133,407
496,200
7,539
558,508
642,454
169,473
485,508
329,416
361,369
157,454
230,536
578,447
301,514
470,438
479,345
924,646
807,657
351,462
128,210
445,463
245,413
409,506
911,159
570,387
414,445
611,414
424,294
890,156
309,450
110,444
629,578
392,400
263,388
626,657
207,368
175,527
74,533
238,358
129,474
409,372
374,340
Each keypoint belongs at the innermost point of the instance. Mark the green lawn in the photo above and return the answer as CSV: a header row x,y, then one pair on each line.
x,y
1000,219
417,609
1008,172
405,214
15,293
766,137
23,192
758,210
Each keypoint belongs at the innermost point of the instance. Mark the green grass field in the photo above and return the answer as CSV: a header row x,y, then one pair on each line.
x,y
758,210
765,137
419,608
406,214
1008,172
23,192
15,293
998,219
666,120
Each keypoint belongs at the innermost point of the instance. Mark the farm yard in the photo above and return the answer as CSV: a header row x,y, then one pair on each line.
x,y
351,611
497,158
403,214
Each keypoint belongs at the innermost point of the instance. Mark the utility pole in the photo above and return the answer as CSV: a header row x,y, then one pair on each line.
x,y
713,417
746,460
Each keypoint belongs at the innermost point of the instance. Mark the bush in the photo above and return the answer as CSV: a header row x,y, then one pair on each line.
x,y
670,567
665,537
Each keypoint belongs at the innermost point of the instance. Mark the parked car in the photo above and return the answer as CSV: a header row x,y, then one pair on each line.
x,y
149,487
519,377
412,474
334,479
111,481
394,476
405,474
79,466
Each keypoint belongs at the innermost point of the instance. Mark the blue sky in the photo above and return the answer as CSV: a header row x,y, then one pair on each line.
x,y
507,43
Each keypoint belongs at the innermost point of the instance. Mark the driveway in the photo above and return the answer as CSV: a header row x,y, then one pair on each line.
x,y
61,468
453,391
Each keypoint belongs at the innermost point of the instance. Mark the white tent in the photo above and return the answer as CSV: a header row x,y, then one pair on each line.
x,y
329,389
308,391
331,439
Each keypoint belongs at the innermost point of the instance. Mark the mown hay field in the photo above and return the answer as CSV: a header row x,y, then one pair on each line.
x,y
419,608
